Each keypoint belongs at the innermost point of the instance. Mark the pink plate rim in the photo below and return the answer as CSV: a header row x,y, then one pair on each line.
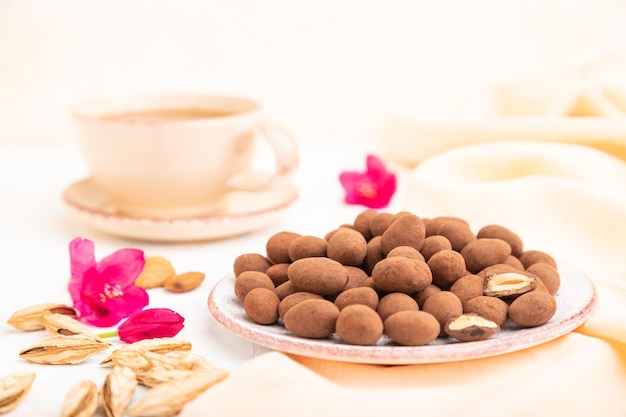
x,y
576,301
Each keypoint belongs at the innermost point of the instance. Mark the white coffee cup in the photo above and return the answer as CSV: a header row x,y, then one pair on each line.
x,y
178,154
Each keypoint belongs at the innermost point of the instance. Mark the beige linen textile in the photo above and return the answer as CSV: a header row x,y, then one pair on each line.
x,y
584,104
567,200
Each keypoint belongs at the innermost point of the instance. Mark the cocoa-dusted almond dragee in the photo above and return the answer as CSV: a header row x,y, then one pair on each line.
x,y
501,267
394,302
358,324
532,309
356,277
362,223
285,289
347,246
470,327
399,279
249,280
433,224
457,232
278,273
277,246
306,247
446,267
373,255
293,299
250,262
361,295
407,252
491,308
433,244
529,257
514,262
412,328
443,306
318,275
423,295
485,252
399,274
497,231
468,287
315,319
548,275
406,230
505,283
261,305
380,222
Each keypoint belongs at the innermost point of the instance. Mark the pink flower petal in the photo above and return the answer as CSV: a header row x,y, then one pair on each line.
x,y
149,324
134,299
373,189
350,180
103,292
94,313
375,167
122,266
81,261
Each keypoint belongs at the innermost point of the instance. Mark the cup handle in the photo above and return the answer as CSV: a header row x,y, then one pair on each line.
x,y
287,158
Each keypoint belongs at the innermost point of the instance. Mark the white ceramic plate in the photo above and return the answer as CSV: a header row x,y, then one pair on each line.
x,y
242,213
576,300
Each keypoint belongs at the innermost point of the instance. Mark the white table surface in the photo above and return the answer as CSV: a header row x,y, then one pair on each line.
x,y
36,230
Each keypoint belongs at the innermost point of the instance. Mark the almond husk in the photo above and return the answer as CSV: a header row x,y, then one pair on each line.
x,y
32,318
13,389
81,400
60,324
62,350
151,368
118,390
169,398
156,345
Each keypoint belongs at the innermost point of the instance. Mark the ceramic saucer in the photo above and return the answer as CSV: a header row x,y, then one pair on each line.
x,y
243,212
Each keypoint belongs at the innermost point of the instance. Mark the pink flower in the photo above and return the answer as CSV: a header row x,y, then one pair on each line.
x,y
150,323
372,188
104,292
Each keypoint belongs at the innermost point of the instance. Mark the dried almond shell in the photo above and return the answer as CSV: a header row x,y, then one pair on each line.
x,y
151,379
32,318
146,364
60,324
62,350
118,390
81,400
168,399
173,365
156,345
13,389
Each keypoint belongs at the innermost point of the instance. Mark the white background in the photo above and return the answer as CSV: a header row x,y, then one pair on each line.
x,y
328,69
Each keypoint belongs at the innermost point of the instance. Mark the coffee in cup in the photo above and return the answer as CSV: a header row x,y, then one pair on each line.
x,y
179,154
